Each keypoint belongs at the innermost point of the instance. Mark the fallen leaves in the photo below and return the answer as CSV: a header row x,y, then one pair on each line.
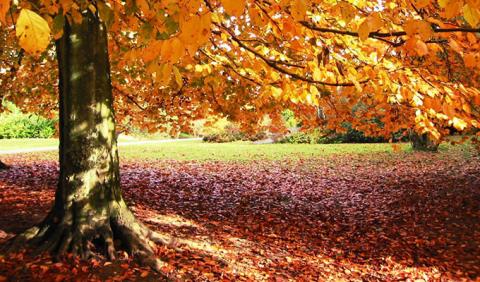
x,y
384,217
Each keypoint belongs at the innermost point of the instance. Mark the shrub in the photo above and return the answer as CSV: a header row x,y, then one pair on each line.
x,y
327,137
15,124
229,134
312,137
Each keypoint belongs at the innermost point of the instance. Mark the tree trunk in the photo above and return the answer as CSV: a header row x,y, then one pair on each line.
x,y
89,213
421,142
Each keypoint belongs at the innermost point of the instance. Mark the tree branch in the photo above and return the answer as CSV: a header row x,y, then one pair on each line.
x,y
378,34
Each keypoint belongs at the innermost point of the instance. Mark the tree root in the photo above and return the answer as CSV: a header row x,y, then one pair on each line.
x,y
3,166
117,232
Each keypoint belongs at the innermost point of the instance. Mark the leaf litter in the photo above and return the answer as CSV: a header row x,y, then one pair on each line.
x,y
391,217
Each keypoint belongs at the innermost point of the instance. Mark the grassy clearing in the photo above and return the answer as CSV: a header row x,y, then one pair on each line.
x,y
27,143
241,151
197,150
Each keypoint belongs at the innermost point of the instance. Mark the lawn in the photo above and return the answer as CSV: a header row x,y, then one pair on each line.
x,y
244,212
242,151
15,144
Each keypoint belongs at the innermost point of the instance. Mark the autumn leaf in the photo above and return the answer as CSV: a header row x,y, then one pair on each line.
x,y
234,7
364,30
471,14
421,48
4,7
32,31
470,60
299,9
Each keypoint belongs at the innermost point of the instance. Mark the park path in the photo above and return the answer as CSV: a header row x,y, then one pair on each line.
x,y
120,144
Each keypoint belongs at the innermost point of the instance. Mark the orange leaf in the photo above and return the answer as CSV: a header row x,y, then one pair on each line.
x,y
4,7
234,7
470,60
421,48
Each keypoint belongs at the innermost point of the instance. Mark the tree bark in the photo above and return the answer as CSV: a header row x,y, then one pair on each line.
x,y
421,142
89,213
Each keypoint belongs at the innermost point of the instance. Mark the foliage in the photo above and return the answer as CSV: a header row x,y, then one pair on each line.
x,y
15,124
411,66
289,119
325,137
229,133
301,137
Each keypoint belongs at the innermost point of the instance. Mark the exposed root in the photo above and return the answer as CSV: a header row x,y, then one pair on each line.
x,y
3,166
119,232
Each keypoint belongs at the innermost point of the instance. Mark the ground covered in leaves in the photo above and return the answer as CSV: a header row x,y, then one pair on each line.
x,y
357,217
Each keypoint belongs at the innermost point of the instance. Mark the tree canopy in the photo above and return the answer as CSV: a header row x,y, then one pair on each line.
x,y
404,64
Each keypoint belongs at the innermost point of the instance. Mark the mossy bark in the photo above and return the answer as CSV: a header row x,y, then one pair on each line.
x,y
89,213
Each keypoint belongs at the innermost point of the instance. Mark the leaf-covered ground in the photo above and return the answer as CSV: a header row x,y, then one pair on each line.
x,y
358,217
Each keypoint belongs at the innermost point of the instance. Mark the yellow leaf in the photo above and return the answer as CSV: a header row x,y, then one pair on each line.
x,y
442,3
314,91
4,6
178,76
276,92
459,124
234,7
471,15
216,18
317,74
32,31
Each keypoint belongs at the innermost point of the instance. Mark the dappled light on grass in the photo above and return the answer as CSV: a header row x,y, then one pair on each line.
x,y
378,217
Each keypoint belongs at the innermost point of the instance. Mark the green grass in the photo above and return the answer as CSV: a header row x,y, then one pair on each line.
x,y
197,150
15,144
242,151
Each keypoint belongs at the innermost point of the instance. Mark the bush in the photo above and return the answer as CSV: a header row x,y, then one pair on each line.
x,y
312,137
16,124
229,134
319,137
355,136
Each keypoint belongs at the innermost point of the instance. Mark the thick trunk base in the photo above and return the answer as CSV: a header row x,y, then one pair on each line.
x,y
423,143
102,236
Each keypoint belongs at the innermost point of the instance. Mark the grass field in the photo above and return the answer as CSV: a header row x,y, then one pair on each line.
x,y
243,151
14,144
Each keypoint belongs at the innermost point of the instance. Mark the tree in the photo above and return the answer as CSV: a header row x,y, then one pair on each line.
x,y
243,59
